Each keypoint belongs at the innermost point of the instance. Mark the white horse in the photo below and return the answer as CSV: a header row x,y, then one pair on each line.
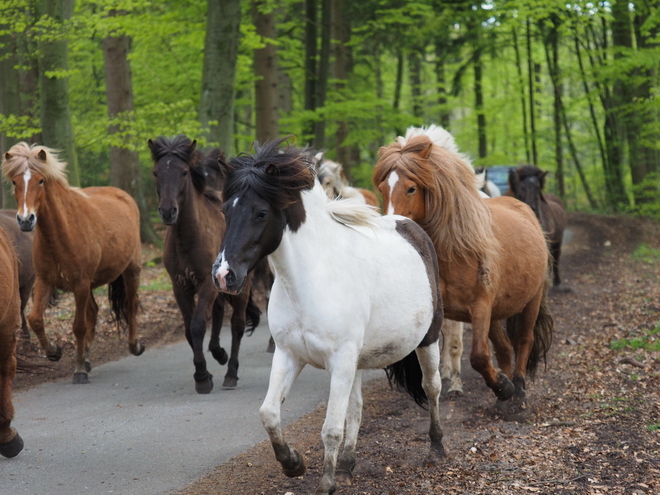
x,y
488,187
333,179
353,290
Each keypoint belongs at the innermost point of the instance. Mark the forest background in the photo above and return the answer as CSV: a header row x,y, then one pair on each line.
x,y
570,87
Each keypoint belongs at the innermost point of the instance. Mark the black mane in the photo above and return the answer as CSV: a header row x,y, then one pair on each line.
x,y
278,175
183,148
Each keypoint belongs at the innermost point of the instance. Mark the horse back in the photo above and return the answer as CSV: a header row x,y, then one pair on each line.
x,y
556,217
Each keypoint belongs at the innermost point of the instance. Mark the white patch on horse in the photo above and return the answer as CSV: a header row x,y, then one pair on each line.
x,y
26,178
233,205
391,182
222,271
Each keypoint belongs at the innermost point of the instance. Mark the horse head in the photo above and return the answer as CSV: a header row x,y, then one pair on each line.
x,y
262,198
526,184
30,169
176,172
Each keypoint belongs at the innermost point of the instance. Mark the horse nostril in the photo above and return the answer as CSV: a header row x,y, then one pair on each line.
x,y
32,217
230,277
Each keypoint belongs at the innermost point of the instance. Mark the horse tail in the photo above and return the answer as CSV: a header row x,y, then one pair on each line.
x,y
543,328
117,298
407,376
252,315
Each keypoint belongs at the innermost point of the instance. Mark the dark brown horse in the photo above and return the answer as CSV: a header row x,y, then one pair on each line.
x,y
23,246
10,322
526,184
190,205
85,238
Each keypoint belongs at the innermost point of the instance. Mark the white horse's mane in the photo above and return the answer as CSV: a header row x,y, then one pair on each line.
x,y
348,211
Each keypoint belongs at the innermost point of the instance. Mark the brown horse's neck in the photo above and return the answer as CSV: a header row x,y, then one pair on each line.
x,y
189,226
55,227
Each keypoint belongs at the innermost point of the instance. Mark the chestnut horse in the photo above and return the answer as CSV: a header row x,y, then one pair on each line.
x,y
10,323
190,204
84,238
23,245
526,184
492,255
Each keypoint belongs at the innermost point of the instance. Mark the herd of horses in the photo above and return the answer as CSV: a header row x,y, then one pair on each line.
x,y
350,289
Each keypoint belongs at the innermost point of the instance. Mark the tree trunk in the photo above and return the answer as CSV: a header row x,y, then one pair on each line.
x,y
399,79
551,46
521,83
265,66
216,108
530,76
415,69
124,162
479,104
56,127
311,52
323,71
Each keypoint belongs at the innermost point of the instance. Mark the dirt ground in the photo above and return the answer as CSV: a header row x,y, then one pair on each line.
x,y
591,422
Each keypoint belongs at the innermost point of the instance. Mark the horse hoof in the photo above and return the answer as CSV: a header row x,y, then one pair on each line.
x,y
220,355
56,355
12,447
204,386
230,382
88,366
80,377
343,478
299,465
519,383
136,349
504,389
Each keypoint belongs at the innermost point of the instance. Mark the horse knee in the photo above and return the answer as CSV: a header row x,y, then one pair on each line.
x,y
269,417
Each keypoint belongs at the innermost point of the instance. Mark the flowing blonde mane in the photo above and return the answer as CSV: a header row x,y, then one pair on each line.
x,y
457,219
23,156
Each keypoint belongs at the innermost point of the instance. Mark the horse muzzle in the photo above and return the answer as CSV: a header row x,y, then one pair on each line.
x,y
226,280
168,216
27,224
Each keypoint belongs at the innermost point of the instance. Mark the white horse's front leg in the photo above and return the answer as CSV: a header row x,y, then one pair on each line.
x,y
343,373
346,461
452,350
284,371
429,357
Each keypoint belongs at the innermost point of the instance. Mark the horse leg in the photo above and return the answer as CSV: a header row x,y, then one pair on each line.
x,y
284,371
132,284
346,460
92,314
41,298
525,341
25,292
480,357
555,252
238,319
342,377
10,441
429,357
502,347
452,350
185,300
205,298
217,319
81,295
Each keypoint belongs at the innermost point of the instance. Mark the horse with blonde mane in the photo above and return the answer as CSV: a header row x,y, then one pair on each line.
x,y
84,238
492,254
333,179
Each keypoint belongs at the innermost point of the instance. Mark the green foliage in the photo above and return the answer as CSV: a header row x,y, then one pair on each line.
x,y
648,341
647,254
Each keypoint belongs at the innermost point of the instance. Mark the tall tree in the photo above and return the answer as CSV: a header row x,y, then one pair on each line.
x,y
323,72
216,108
56,126
265,67
311,52
124,161
532,91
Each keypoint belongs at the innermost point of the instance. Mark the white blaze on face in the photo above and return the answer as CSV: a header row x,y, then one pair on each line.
x,y
222,271
233,205
26,178
391,182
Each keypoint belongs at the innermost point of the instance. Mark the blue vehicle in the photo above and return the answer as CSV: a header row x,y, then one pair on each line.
x,y
499,174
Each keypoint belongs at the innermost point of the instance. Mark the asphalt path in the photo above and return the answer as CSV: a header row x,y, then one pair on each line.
x,y
140,428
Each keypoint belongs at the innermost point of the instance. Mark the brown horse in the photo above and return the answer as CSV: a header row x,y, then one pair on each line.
x,y
23,245
85,238
189,191
492,255
526,184
10,323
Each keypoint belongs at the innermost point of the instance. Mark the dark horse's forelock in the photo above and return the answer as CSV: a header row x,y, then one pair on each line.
x,y
180,147
277,174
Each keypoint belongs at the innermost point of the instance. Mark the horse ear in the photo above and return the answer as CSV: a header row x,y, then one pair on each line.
x,y
542,178
225,168
426,152
150,143
271,169
513,179
42,155
319,157
8,156
191,146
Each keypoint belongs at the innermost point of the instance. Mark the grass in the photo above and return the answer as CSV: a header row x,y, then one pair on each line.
x,y
646,254
647,341
160,283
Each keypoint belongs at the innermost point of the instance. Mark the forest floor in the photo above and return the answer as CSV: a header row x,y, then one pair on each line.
x,y
590,424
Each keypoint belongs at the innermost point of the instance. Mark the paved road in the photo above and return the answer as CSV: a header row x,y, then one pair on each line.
x,y
140,428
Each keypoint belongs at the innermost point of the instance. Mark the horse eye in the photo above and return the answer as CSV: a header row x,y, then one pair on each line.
x,y
412,190
13,182
41,182
155,174
261,215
